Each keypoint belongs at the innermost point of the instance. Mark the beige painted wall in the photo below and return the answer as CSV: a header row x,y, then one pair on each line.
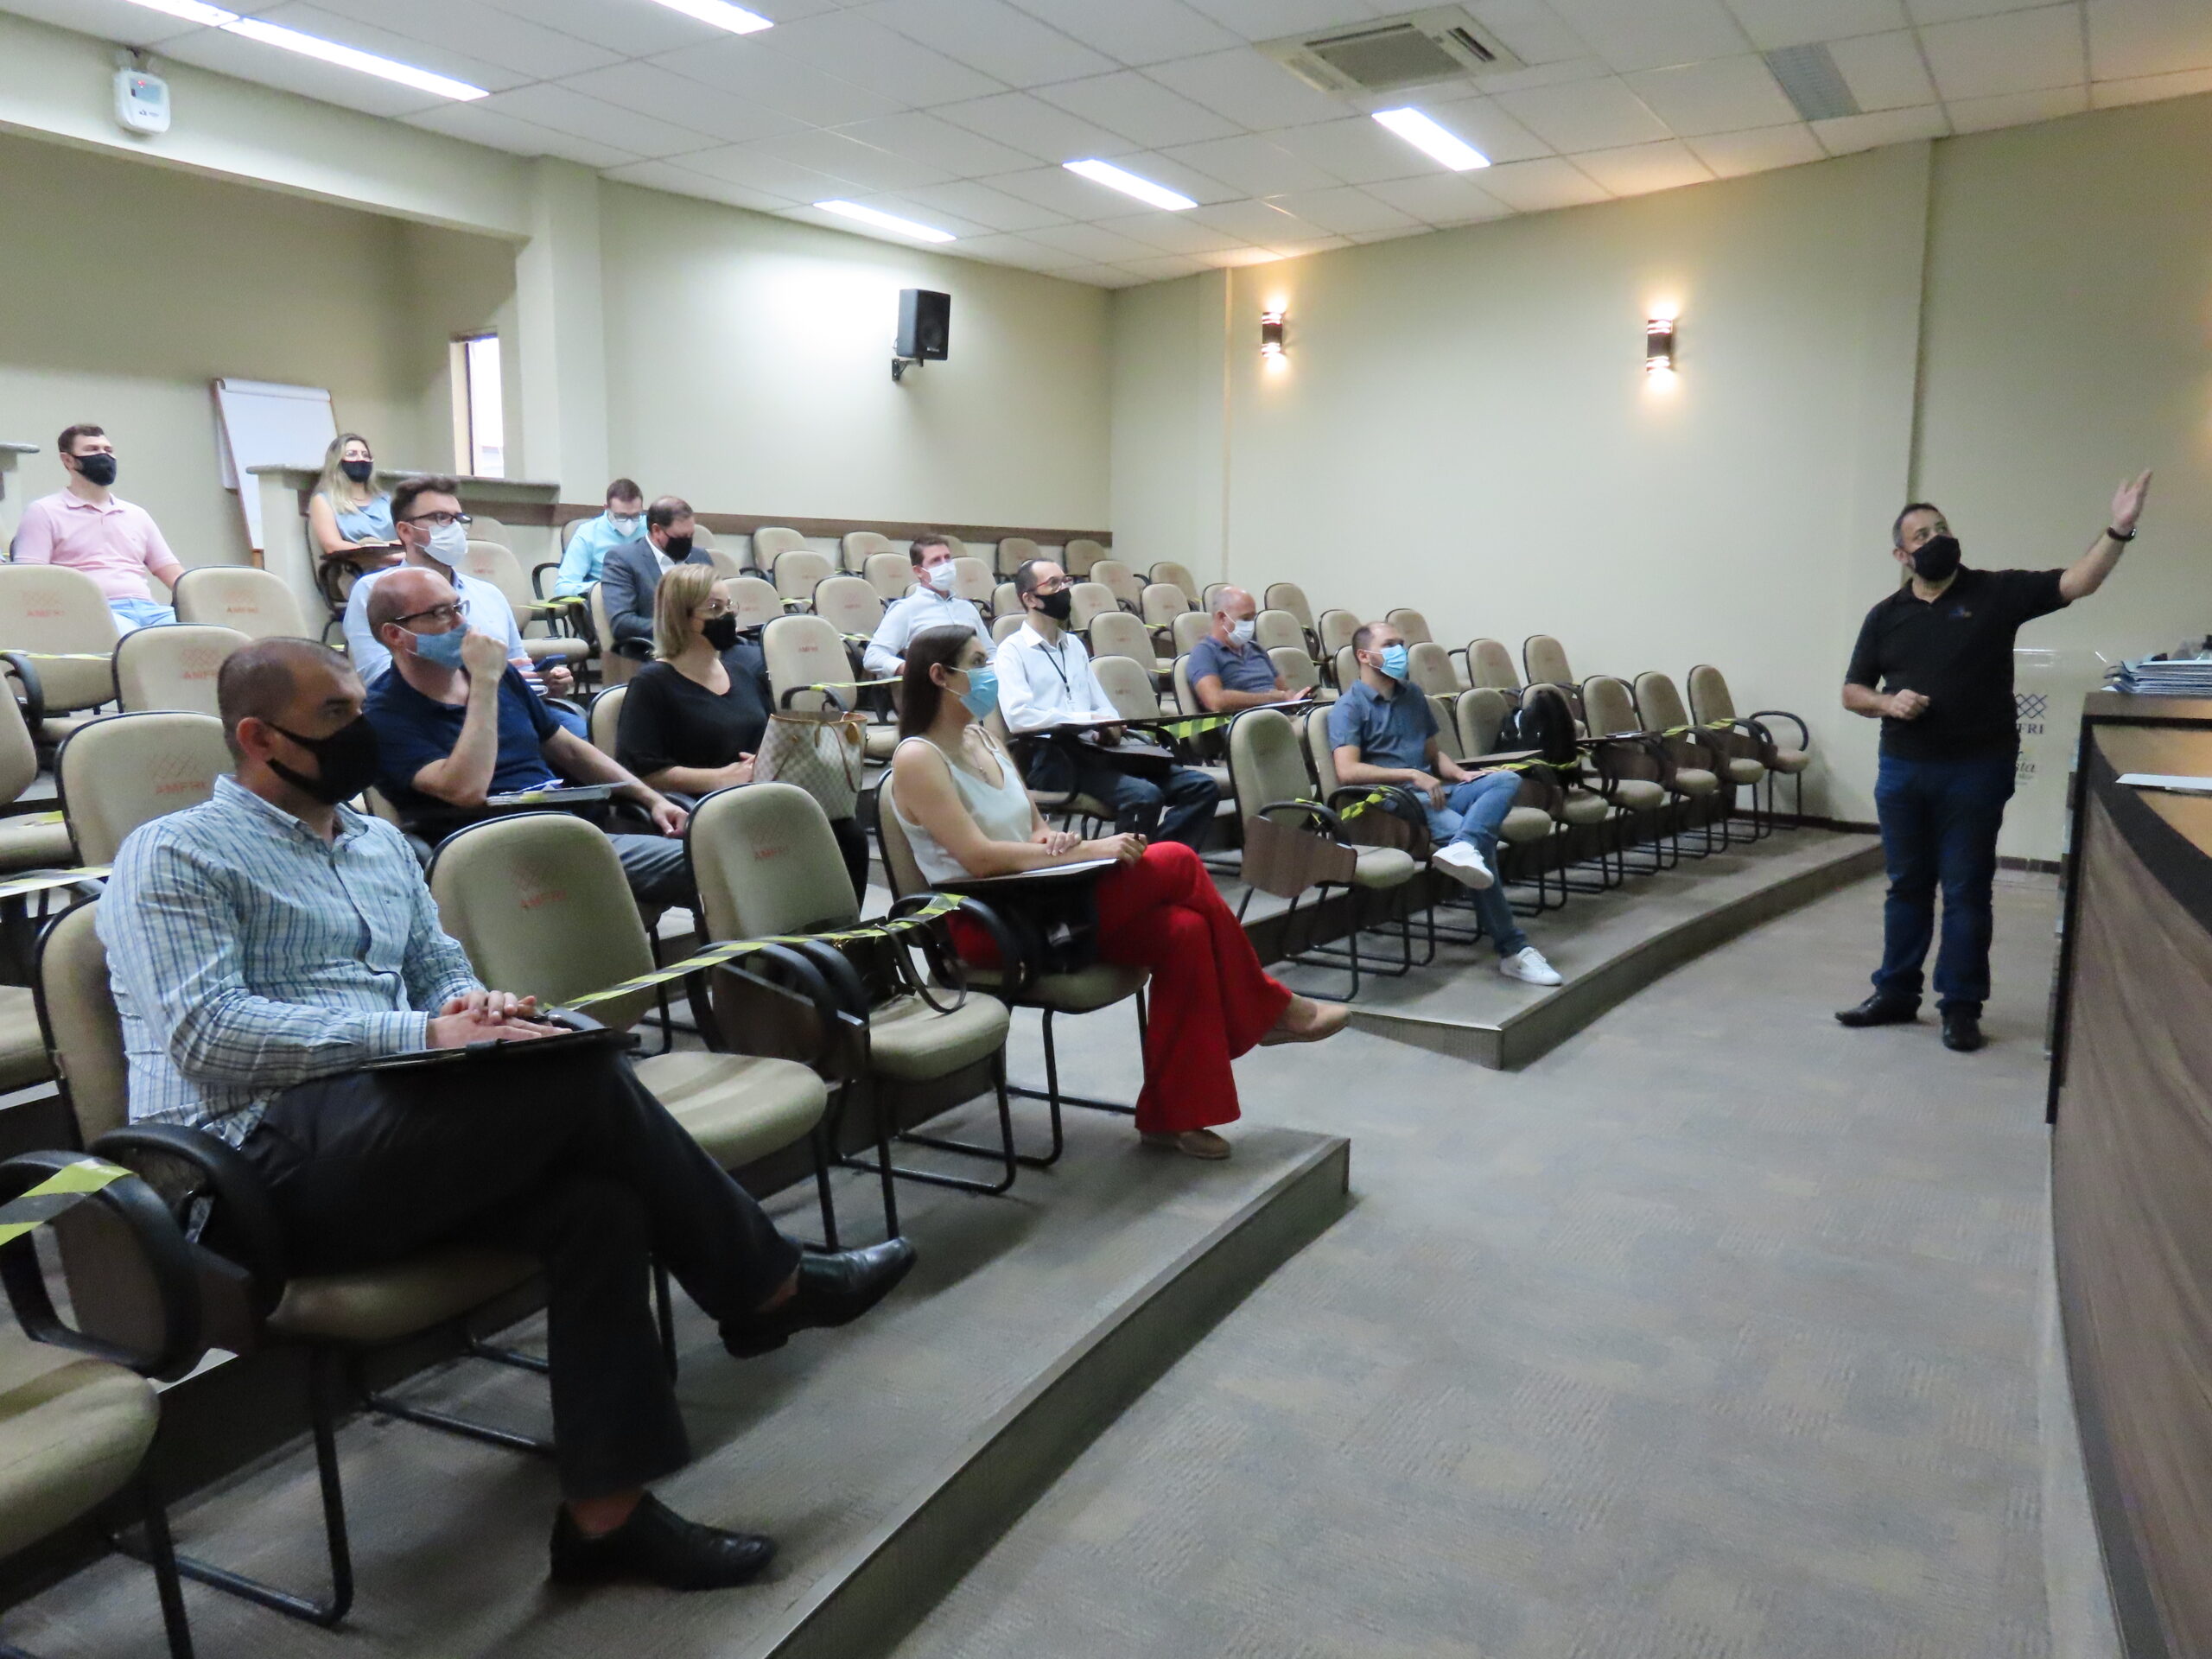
x,y
1169,419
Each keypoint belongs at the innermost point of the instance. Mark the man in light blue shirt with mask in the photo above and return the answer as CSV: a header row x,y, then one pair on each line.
x,y
623,521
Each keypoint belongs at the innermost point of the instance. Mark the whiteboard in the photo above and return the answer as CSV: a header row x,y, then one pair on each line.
x,y
261,424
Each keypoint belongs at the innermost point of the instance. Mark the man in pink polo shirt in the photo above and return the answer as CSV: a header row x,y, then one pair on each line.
x,y
86,528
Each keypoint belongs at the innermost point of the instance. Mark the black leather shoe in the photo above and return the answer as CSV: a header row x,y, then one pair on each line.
x,y
657,1546
1879,1010
1962,1030
832,1290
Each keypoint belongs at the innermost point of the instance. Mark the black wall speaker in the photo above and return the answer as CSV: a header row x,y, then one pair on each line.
x,y
924,325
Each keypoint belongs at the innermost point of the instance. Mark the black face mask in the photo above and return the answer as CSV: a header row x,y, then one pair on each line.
x,y
1936,559
719,631
678,548
347,760
1058,605
97,469
359,471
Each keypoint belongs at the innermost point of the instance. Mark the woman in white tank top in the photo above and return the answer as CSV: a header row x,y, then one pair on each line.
x,y
956,793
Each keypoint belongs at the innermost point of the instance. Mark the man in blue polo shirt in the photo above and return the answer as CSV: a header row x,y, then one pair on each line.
x,y
1228,672
455,724
1384,732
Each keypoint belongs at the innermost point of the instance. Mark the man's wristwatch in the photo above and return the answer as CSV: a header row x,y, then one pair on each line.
x,y
2119,536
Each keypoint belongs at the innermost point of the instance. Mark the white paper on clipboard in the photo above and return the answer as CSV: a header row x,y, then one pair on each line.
x,y
264,424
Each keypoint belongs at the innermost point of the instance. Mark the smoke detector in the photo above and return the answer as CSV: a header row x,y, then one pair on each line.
x,y
1390,54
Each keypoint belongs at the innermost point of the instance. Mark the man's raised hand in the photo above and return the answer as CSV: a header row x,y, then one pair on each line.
x,y
2128,502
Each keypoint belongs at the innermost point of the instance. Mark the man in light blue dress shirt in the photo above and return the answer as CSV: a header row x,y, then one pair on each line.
x,y
623,521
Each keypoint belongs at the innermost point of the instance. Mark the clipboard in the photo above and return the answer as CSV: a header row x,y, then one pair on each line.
x,y
567,795
578,1031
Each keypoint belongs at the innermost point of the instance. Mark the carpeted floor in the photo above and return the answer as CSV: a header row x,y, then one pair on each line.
x,y
1712,1333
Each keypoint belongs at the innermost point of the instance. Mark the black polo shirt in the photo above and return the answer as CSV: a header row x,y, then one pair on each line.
x,y
1956,651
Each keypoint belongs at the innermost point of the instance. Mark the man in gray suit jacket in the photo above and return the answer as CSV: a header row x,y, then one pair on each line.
x,y
632,571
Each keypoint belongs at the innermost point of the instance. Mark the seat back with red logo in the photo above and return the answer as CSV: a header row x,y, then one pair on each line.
x,y
58,615
255,602
767,864
805,651
539,902
173,668
115,773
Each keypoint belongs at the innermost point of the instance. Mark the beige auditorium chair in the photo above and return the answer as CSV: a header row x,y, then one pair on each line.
x,y
1636,769
1297,670
1346,668
173,667
769,869
728,566
1122,582
483,527
1177,574
1289,596
115,773
1006,623
1544,661
35,837
1087,600
1478,714
751,601
861,545
1412,626
1186,695
1295,848
849,604
1711,704
58,637
1015,551
538,619
1187,629
959,548
1490,665
771,543
805,655
1079,557
1212,594
796,573
891,575
972,579
568,528
1116,634
338,1319
1005,601
519,892
258,603
1430,666
79,1410
1335,630
1162,603
1278,630
613,667
1127,685
1659,706
1529,825
604,720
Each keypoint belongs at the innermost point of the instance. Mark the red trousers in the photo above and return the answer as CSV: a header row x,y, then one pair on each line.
x,y
1209,1002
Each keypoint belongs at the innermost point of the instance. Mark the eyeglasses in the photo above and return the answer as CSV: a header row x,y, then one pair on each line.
x,y
1057,585
713,609
439,520
444,616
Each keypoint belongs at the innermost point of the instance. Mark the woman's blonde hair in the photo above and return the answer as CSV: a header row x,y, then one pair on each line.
x,y
682,590
333,482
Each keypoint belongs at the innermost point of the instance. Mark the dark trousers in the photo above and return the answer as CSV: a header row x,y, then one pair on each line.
x,y
1177,808
568,1159
1940,820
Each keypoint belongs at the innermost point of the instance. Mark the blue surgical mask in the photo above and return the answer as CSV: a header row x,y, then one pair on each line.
x,y
982,693
443,649
1396,661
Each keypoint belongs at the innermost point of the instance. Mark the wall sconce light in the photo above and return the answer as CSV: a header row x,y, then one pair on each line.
x,y
1659,345
1271,338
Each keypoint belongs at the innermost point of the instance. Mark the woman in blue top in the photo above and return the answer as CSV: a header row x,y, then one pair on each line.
x,y
345,515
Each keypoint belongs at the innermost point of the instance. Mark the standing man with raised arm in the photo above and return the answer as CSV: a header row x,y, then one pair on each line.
x,y
1228,671
86,528
1934,664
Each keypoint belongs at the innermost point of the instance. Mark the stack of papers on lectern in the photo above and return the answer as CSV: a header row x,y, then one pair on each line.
x,y
2154,678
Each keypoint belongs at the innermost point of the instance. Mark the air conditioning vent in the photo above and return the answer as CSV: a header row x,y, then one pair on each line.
x,y
1393,54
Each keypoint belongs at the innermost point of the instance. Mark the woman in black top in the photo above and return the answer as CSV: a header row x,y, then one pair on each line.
x,y
694,717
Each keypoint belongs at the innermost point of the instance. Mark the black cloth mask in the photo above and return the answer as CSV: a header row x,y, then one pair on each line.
x,y
679,548
1058,605
347,760
1936,559
359,471
97,469
719,631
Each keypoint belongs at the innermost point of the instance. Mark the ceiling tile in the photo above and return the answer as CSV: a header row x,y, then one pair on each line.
x,y
1019,250
1237,256
1092,242
684,182
1732,154
2013,51
630,30
1772,23
848,159
647,89
1347,211
1258,223
1166,268
1252,165
1944,11
271,65
991,36
905,205
1175,175
981,204
1140,109
1534,186
1642,168
1847,133
1249,89
1033,126
1264,20
1173,233
110,20
565,109
2016,109
478,125
741,67
1066,193
937,144
514,43
1136,32
1316,245
2111,94
1647,35
1530,29
1586,115
1355,150
1884,71
1725,95
2132,38
1485,125
1439,199
1100,275
852,48
1561,73
757,170
1363,238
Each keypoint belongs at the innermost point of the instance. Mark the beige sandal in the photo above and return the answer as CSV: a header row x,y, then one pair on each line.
x,y
1307,1020
1192,1143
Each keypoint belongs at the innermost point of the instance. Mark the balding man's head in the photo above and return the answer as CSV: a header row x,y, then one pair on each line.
x,y
405,592
272,680
1233,606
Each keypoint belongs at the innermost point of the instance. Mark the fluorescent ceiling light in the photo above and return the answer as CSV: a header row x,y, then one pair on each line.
x,y
1153,195
886,221
1424,134
310,45
722,15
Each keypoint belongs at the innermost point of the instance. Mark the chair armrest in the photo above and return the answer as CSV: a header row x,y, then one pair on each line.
x,y
1017,966
161,1245
19,664
1325,818
537,576
810,985
242,1214
830,698
1804,732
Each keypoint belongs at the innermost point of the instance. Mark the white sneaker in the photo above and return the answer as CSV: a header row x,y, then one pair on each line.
x,y
1528,963
1462,863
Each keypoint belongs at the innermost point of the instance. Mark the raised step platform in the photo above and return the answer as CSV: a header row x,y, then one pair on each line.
x,y
885,1457
1608,946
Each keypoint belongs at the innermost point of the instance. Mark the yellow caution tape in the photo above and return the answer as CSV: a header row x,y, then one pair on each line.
x,y
23,885
62,1191
33,818
66,656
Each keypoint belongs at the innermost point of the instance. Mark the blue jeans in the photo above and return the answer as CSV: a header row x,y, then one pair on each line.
x,y
1939,827
1472,812
131,613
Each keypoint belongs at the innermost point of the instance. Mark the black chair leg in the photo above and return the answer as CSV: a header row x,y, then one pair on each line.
x,y
161,1550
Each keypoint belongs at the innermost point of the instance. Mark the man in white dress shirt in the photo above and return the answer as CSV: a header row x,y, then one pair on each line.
x,y
932,605
1045,680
